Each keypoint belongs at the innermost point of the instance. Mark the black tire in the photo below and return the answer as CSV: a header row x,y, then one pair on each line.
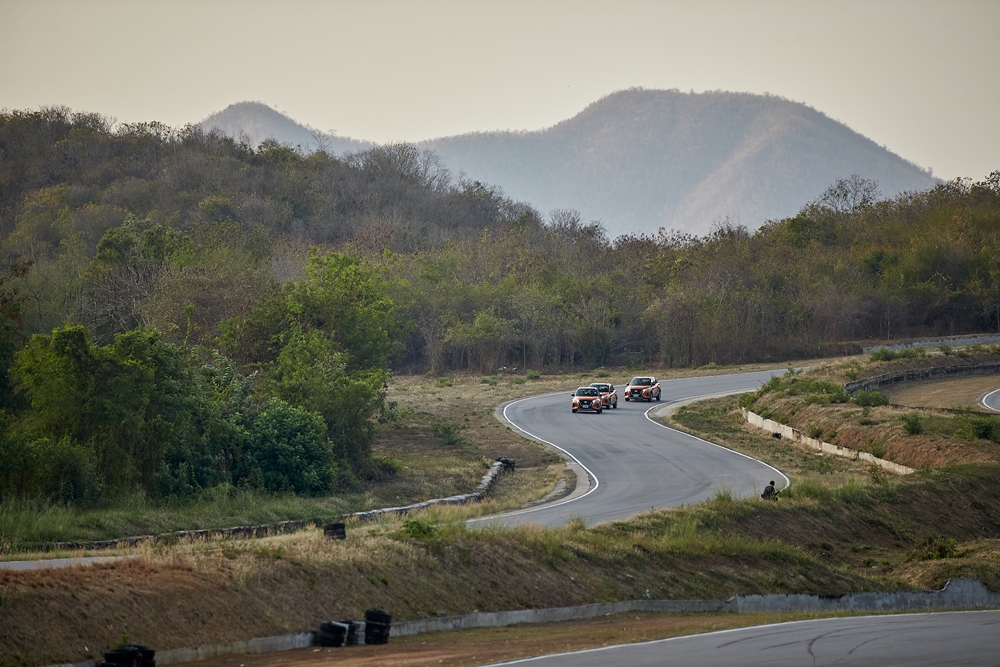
x,y
657,398
125,657
333,627
599,411
378,616
376,633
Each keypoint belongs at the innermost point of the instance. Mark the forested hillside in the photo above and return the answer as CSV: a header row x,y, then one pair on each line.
x,y
166,327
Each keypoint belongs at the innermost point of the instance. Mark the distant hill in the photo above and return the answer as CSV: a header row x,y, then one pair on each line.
x,y
259,122
641,159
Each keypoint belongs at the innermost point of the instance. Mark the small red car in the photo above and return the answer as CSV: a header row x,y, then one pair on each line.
x,y
609,395
587,398
642,389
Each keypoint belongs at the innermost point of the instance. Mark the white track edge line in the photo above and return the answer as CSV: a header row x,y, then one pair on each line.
x,y
983,401
788,482
595,649
546,506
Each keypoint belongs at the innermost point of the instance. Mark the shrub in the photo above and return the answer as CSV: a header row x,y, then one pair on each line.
x,y
418,528
945,349
982,428
450,434
868,399
814,431
518,380
534,375
912,424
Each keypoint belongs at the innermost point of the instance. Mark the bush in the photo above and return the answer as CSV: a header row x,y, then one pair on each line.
x,y
534,375
912,424
418,529
981,428
870,399
288,452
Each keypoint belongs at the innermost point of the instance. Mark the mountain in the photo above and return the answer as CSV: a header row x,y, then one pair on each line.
x,y
259,122
641,159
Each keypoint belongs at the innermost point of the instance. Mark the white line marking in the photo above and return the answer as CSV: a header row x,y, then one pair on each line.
x,y
983,401
597,482
708,442
728,631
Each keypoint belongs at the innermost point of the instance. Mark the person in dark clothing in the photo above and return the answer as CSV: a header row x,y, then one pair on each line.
x,y
770,493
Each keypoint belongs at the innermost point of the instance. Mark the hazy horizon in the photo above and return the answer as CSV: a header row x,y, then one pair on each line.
x,y
914,76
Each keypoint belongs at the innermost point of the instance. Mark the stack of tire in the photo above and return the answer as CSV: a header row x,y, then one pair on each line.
x,y
355,633
377,624
130,655
332,633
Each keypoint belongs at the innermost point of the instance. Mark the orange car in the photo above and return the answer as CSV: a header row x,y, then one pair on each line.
x,y
609,395
642,389
587,398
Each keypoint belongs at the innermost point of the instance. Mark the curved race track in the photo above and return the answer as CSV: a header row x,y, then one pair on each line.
x,y
634,463
953,639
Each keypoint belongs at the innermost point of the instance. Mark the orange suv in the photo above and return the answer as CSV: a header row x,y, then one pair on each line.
x,y
642,389
587,398
609,395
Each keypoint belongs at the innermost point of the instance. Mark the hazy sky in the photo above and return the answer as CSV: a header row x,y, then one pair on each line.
x,y
920,77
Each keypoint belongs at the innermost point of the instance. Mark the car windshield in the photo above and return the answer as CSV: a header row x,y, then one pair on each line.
x,y
601,387
586,391
641,381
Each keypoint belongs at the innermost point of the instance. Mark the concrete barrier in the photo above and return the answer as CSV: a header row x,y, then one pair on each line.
x,y
796,435
498,619
261,645
956,594
930,373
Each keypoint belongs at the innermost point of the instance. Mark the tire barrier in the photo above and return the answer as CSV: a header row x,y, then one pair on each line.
x,y
332,633
335,531
130,655
282,527
377,626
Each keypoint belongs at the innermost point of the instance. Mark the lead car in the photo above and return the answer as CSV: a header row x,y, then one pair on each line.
x,y
642,388
587,398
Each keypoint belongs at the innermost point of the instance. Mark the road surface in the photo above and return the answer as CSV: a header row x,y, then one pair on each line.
x,y
633,463
952,638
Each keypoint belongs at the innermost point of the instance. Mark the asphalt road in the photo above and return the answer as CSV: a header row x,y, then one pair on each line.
x,y
924,640
635,464
991,401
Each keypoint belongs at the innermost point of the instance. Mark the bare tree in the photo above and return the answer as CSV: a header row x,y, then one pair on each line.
x,y
850,195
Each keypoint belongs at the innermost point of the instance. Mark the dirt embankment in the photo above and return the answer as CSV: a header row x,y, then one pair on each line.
x,y
210,593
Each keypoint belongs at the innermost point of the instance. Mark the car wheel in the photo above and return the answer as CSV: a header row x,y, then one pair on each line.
x,y
574,412
615,405
657,397
598,411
